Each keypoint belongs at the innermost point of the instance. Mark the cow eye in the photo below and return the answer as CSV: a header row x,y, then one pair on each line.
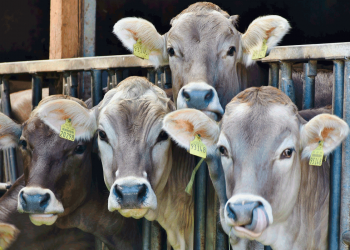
x,y
162,136
231,51
287,153
102,135
223,151
80,149
171,51
23,144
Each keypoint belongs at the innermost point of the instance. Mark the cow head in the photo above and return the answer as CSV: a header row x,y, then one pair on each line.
x,y
265,147
203,48
134,150
56,170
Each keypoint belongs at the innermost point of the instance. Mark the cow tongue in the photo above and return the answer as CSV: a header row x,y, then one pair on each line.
x,y
259,221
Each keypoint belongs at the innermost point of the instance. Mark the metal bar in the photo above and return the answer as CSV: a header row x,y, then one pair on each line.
x,y
287,85
66,83
211,219
166,82
273,75
151,75
36,89
221,236
146,234
73,84
310,72
309,52
96,86
112,78
11,167
336,160
200,207
158,237
345,172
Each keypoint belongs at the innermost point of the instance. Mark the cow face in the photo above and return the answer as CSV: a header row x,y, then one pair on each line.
x,y
203,48
265,148
56,170
135,152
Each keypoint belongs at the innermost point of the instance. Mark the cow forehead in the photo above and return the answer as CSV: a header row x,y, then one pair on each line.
x,y
247,127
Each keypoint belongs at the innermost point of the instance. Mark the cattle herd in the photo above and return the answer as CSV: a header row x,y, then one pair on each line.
x,y
128,157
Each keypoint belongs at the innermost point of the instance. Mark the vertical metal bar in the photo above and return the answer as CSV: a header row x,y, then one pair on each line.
x,y
273,75
166,78
66,83
345,176
200,206
96,86
287,85
146,234
336,160
158,237
73,84
89,28
310,72
151,75
36,89
6,109
211,223
111,83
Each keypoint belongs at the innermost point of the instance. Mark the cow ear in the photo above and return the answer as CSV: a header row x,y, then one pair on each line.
x,y
182,126
10,132
272,28
130,29
8,234
327,128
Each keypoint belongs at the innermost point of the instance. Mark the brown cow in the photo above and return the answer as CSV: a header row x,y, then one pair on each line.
x,y
275,196
17,230
62,183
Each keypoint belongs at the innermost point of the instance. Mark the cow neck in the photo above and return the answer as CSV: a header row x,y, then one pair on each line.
x,y
310,215
177,206
107,226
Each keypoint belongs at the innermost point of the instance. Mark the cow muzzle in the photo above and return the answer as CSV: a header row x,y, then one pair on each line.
x,y
201,96
248,217
41,204
132,197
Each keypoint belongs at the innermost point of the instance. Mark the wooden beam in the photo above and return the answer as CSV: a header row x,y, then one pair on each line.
x,y
66,29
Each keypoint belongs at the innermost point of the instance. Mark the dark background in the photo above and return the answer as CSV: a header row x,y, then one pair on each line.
x,y
25,24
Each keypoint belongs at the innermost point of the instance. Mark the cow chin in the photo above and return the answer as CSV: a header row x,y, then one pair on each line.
x,y
134,213
43,219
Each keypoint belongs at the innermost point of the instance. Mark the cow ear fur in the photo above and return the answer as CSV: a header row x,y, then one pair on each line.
x,y
130,29
328,128
10,132
272,28
8,234
182,126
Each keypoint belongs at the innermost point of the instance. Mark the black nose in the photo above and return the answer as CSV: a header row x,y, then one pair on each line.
x,y
36,203
130,196
241,213
198,99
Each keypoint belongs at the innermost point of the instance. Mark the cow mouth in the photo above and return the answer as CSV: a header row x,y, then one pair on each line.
x,y
259,223
215,115
134,213
43,219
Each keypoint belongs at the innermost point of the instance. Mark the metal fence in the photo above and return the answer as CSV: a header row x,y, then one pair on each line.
x,y
207,233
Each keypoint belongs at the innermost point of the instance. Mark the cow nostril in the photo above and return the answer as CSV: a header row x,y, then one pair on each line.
x,y
45,200
118,190
23,199
186,95
230,212
142,192
209,95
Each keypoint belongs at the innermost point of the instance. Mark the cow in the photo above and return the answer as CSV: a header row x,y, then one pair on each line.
x,y
63,179
275,196
18,232
210,60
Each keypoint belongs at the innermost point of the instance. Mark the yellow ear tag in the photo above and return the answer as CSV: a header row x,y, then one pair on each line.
x,y
197,147
67,131
257,54
316,157
140,50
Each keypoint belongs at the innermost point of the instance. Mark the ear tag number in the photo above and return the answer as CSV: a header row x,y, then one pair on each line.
x,y
316,157
67,131
257,54
197,147
140,50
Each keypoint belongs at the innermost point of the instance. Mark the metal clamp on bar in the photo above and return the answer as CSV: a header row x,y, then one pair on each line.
x,y
5,186
310,72
112,79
